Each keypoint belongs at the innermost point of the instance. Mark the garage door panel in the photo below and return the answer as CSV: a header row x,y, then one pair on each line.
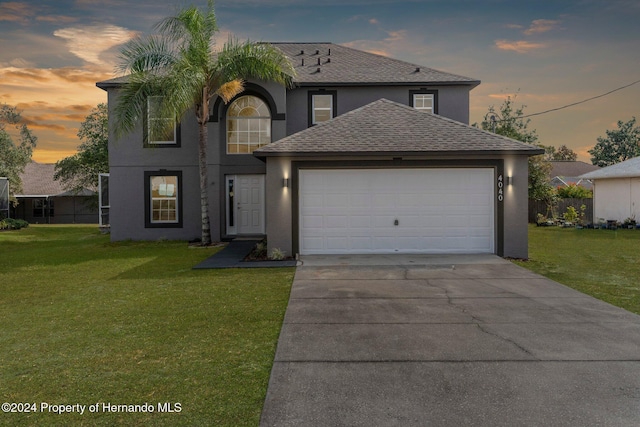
x,y
438,211
359,221
361,243
360,200
336,221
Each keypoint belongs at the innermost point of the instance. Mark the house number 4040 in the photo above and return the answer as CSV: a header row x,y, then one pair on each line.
x,y
500,188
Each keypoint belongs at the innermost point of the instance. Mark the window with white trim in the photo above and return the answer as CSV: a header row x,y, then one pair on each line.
x,y
163,199
248,125
160,128
322,108
321,105
423,102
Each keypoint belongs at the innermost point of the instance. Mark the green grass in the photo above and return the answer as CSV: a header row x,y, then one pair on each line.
x,y
601,263
84,320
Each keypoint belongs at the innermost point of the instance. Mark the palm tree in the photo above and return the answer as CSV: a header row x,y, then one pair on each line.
x,y
181,66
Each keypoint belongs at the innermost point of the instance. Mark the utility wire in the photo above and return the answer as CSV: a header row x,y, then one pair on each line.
x,y
581,102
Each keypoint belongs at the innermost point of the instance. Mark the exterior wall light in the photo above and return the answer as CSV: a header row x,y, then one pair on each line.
x,y
285,183
509,180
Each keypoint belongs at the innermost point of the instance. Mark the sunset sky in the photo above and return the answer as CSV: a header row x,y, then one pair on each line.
x,y
552,53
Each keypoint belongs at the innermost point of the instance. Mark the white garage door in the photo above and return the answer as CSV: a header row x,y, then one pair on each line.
x,y
397,211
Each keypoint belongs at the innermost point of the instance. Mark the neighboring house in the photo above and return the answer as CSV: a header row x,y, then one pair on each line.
x,y
45,201
367,154
565,172
616,191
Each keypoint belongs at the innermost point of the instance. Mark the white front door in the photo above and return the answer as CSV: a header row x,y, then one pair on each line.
x,y
245,204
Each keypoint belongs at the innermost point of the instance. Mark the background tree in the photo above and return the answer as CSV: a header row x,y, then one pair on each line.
x,y
13,158
619,145
80,171
181,65
562,153
508,121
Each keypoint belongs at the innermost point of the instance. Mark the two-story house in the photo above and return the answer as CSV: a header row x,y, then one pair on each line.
x,y
366,154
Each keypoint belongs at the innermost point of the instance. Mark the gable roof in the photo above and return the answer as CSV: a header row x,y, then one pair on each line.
x,y
566,168
329,63
37,181
320,64
627,169
387,127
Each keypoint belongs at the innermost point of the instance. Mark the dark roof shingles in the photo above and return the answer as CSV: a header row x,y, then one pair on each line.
x,y
344,65
570,168
37,180
388,127
348,66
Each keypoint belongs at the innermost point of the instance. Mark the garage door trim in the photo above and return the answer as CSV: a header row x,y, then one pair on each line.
x,y
396,163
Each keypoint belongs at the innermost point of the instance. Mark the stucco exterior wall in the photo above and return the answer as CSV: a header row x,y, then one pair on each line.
x,y
129,159
616,199
282,202
453,101
279,203
516,207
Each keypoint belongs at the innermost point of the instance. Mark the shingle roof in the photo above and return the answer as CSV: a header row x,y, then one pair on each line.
x,y
328,63
340,65
386,127
627,169
37,180
570,168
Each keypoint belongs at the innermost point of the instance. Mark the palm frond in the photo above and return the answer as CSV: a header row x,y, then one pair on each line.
x,y
227,91
145,55
190,28
254,60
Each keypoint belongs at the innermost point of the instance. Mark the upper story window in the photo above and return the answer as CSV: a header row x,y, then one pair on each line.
x,y
160,130
248,125
424,100
322,106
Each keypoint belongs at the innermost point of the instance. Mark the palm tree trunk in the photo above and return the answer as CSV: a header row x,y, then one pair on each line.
x,y
204,198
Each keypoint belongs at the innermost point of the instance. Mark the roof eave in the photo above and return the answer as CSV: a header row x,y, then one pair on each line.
x,y
473,83
262,155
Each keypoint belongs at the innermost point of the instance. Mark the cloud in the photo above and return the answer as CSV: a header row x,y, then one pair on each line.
x,y
56,19
18,63
394,42
520,46
88,42
16,12
541,26
53,103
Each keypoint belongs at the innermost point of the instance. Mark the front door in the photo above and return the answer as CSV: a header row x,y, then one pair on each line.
x,y
245,204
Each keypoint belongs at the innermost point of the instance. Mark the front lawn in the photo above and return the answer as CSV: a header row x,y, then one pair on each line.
x,y
601,263
85,321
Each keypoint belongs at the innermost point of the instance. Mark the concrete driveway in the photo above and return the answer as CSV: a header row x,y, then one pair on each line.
x,y
449,340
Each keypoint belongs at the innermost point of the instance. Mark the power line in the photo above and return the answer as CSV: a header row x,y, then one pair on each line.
x,y
581,102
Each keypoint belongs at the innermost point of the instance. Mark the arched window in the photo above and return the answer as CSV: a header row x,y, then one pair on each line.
x,y
248,125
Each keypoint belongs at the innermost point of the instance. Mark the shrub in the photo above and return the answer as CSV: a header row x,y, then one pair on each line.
x,y
573,191
571,215
13,224
277,254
